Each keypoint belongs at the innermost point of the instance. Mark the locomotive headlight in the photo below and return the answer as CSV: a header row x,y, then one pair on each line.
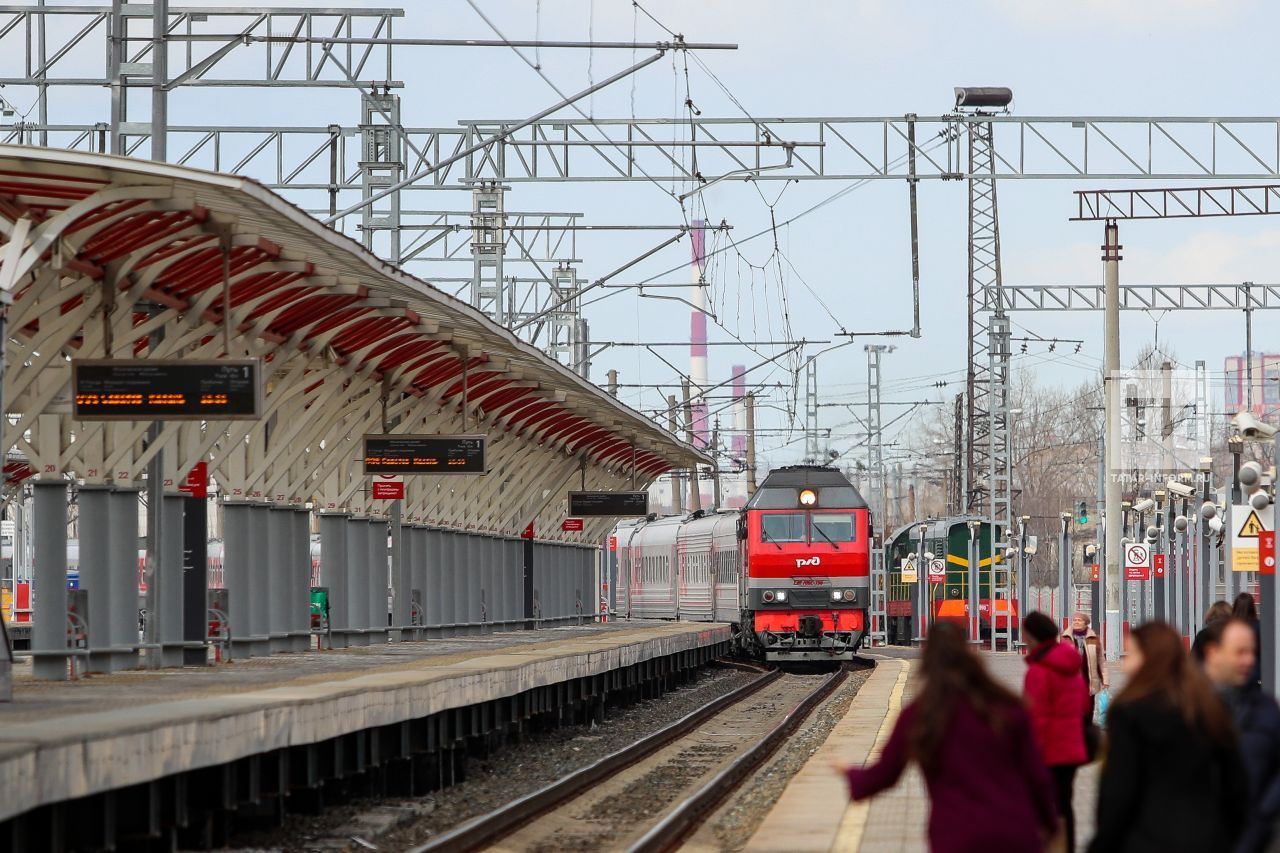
x,y
849,595
808,497
835,595
782,595
768,595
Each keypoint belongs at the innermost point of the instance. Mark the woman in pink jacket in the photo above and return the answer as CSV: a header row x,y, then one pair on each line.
x,y
1058,701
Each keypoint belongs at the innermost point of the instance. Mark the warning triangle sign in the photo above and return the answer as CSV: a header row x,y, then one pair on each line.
x,y
1252,526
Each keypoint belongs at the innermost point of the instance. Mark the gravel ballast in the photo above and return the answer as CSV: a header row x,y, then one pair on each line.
x,y
510,773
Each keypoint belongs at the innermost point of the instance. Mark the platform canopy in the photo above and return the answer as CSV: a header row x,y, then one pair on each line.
x,y
110,257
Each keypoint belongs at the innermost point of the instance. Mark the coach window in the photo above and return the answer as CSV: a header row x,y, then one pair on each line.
x,y
837,527
782,527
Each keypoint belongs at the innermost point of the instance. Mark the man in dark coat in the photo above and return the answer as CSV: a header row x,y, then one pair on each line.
x,y
1229,655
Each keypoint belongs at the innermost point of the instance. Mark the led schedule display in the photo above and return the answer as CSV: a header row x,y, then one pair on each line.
x,y
424,454
166,390
608,503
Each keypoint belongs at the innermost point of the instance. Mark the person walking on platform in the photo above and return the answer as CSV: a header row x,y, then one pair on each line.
x,y
1092,662
1228,661
1058,702
1217,612
1173,780
972,739
1246,609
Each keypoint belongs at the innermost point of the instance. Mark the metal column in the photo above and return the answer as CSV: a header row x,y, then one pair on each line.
x,y
300,578
433,573
276,563
49,633
473,566
123,545
357,585
95,576
334,575
195,580
378,576
447,577
401,575
169,601
235,567
260,578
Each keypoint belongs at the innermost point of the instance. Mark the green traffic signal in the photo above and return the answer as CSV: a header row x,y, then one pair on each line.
x,y
1084,513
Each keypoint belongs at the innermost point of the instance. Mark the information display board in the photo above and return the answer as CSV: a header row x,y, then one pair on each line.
x,y
424,454
608,503
145,389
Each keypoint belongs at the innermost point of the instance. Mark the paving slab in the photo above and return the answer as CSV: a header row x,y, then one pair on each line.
x,y
814,814
61,740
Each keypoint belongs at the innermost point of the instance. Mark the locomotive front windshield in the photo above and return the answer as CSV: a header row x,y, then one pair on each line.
x,y
809,528
783,497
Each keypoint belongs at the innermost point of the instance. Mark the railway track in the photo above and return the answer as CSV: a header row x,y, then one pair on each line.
x,y
652,794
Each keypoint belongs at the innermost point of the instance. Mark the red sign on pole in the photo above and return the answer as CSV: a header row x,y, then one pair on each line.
x,y
571,525
1159,565
1267,552
1095,573
528,532
613,543
388,487
197,483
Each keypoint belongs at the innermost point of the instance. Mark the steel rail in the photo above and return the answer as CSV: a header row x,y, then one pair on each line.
x,y
677,825
484,830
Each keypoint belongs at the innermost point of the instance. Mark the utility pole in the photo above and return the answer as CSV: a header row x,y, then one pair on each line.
x,y
677,487
750,405
812,454
1111,384
1248,348
715,465
695,482
875,437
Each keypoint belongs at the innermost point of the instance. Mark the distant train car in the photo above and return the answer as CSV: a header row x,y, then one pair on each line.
x,y
790,570
946,539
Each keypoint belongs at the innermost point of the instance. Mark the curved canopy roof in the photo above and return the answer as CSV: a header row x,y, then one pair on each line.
x,y
90,237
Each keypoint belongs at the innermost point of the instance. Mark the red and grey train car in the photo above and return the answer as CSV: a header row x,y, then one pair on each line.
x,y
790,570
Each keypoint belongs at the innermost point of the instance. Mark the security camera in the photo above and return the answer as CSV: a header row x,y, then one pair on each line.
x,y
1180,489
1144,505
1208,510
1215,524
1250,427
1250,475
1153,532
1260,500
1180,524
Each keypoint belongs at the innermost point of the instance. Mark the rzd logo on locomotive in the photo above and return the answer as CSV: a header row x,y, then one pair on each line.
x,y
811,561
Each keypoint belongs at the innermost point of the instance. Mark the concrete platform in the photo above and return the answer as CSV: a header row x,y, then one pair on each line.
x,y
65,740
814,813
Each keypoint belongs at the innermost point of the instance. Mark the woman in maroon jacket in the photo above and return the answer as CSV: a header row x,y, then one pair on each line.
x,y
972,739
1058,702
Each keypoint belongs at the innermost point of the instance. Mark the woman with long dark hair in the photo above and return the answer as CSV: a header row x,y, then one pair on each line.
x,y
988,787
1173,780
1246,609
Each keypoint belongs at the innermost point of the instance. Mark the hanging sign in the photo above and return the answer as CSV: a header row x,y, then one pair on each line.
x,y
1137,562
145,389
424,454
388,487
609,503
571,525
1247,525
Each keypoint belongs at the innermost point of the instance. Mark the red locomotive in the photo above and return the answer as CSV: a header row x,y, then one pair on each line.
x,y
790,571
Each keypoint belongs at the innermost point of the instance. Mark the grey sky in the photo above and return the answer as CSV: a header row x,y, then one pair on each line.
x,y
1087,57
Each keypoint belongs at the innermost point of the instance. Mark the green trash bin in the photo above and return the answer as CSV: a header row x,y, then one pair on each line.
x,y
320,609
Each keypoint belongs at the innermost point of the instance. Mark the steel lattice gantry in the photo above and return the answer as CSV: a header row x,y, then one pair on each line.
x,y
100,253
